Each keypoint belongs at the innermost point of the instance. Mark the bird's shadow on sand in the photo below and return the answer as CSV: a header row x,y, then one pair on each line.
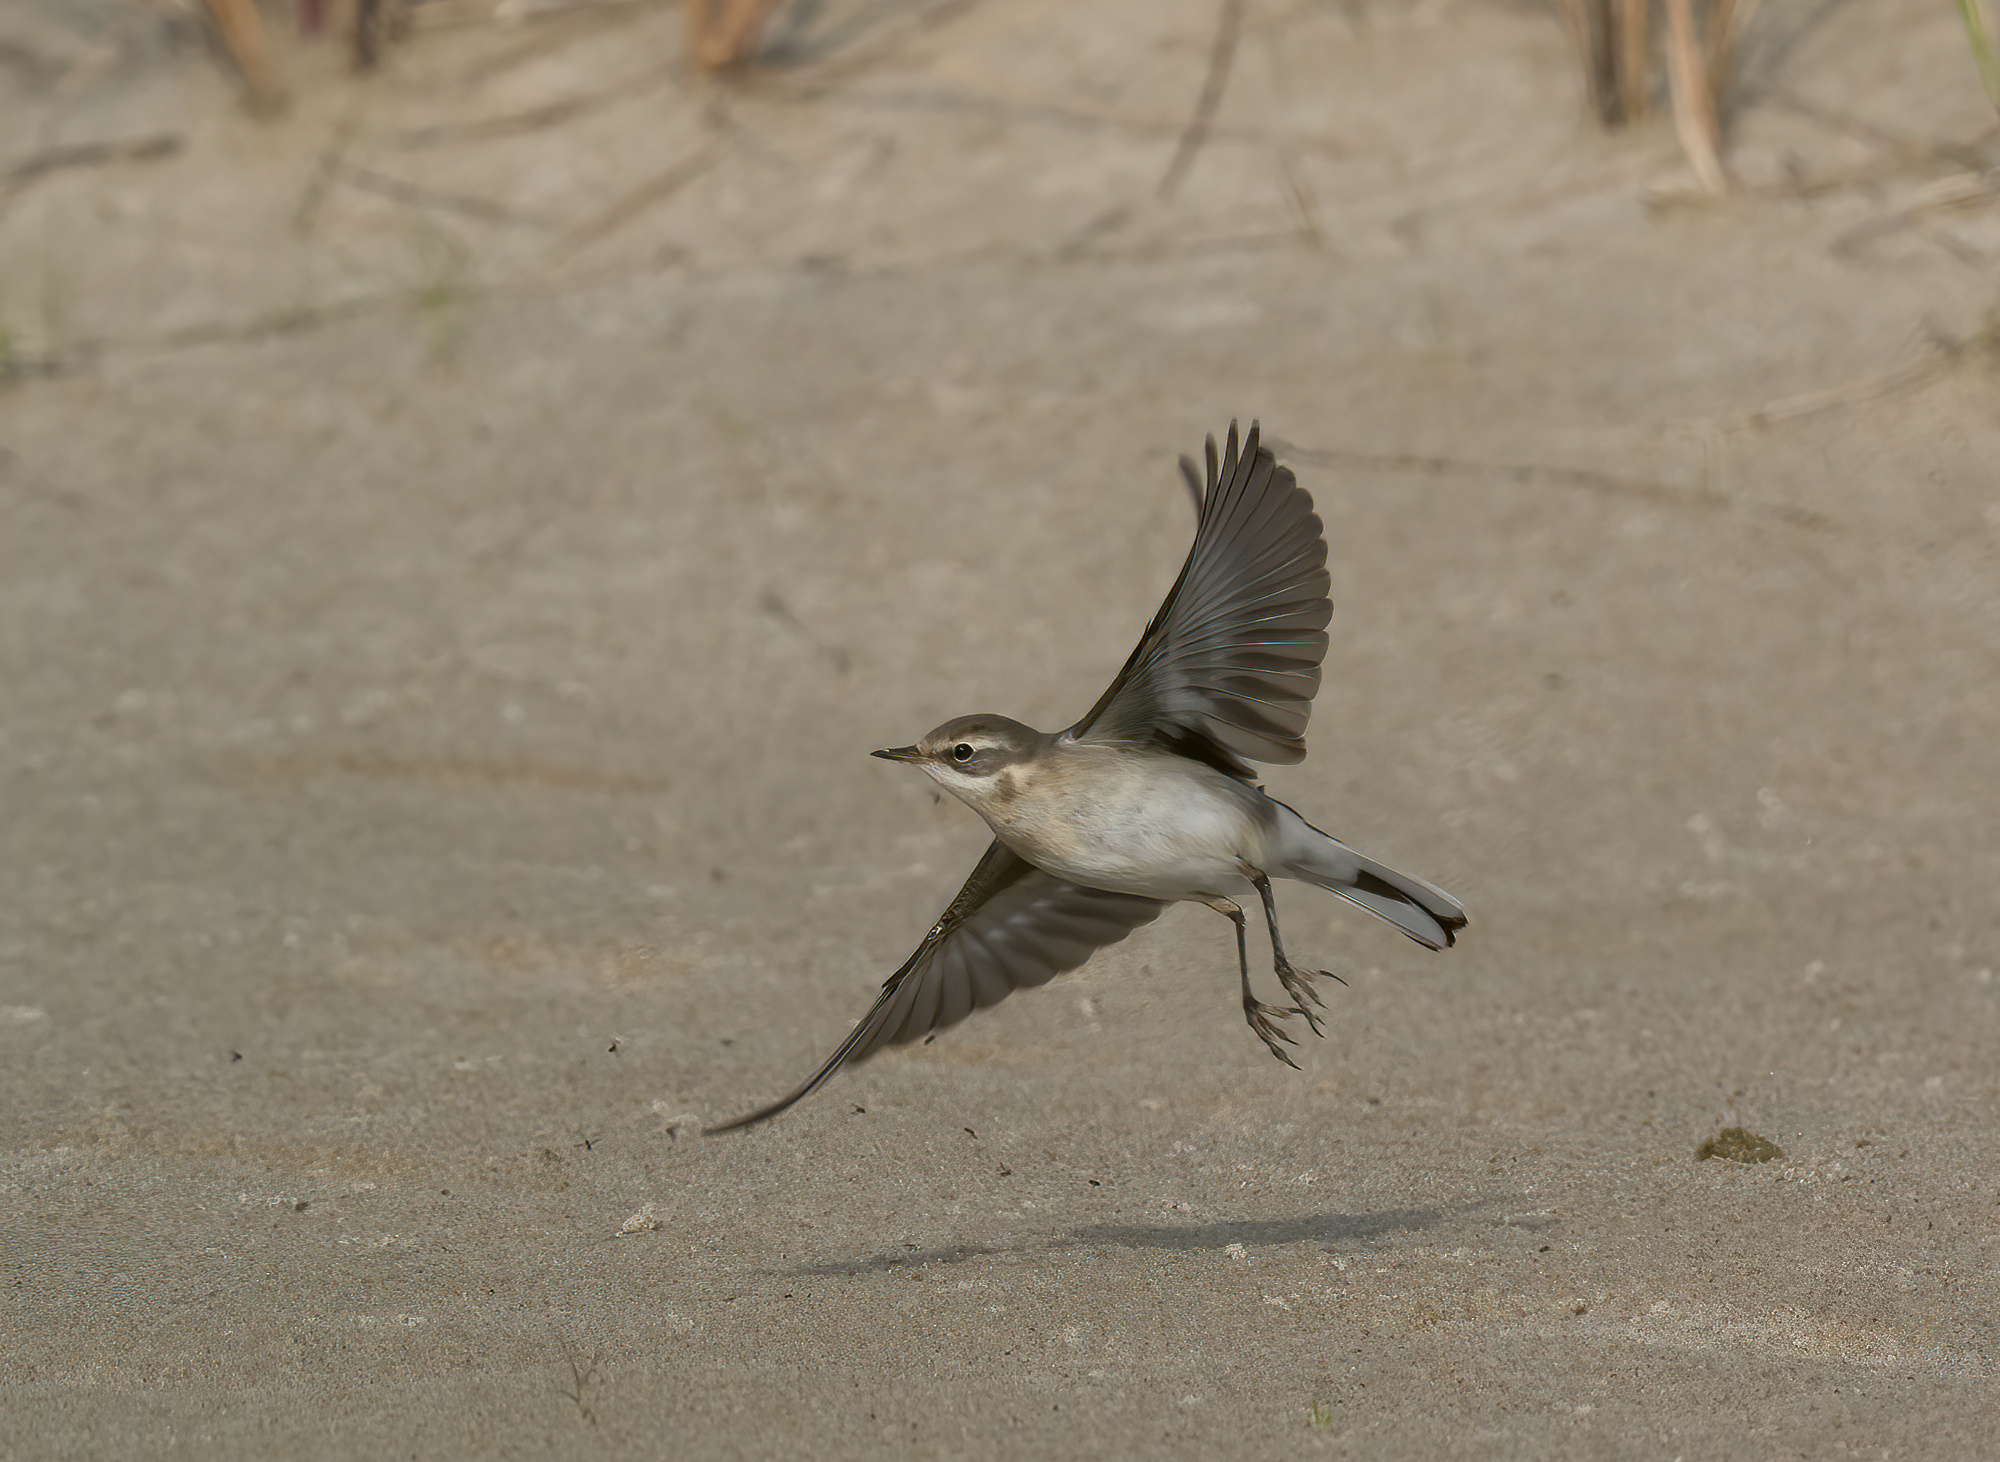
x,y
1334,1230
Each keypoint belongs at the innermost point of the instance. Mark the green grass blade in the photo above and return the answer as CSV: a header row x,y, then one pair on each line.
x,y
1977,37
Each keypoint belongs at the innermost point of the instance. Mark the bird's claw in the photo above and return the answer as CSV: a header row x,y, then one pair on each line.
x,y
1298,985
1260,1017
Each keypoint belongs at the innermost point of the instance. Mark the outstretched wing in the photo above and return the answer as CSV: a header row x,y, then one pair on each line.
x,y
1011,927
1228,668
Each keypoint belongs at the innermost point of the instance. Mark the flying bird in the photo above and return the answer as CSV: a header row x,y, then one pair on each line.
x,y
1151,799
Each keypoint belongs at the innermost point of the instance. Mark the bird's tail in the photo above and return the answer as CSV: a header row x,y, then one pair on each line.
x,y
1421,910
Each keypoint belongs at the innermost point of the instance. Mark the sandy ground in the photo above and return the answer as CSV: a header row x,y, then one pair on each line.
x,y
459,542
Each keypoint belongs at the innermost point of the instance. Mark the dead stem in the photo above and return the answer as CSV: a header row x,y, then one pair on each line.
x,y
1220,57
1695,118
1634,60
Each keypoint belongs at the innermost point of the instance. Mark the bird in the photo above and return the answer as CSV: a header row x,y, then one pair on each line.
x,y
1150,799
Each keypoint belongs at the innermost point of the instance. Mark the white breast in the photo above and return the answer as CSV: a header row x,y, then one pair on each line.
x,y
1152,824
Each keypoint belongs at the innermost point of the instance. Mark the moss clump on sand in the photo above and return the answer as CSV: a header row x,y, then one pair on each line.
x,y
1738,1144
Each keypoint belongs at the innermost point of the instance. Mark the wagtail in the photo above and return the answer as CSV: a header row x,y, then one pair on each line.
x,y
1150,798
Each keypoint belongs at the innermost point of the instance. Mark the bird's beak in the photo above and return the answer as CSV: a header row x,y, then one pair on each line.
x,y
899,753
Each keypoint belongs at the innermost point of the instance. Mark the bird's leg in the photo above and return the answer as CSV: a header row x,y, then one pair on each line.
x,y
1255,1011
1297,982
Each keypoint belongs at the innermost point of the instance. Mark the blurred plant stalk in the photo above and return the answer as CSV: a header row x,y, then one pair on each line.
x,y
723,34
1615,44
243,33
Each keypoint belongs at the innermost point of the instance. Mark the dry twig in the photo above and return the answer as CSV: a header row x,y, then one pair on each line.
x,y
629,206
17,175
1220,57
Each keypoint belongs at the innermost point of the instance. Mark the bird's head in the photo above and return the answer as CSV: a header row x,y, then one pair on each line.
x,y
975,758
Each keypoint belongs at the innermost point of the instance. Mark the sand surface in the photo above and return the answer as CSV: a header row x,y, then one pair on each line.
x,y
459,542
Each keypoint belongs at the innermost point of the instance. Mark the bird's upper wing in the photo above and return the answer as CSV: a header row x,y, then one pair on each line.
x,y
1231,661
1011,927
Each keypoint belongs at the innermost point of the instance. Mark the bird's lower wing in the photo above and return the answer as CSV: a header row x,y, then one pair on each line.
x,y
1011,927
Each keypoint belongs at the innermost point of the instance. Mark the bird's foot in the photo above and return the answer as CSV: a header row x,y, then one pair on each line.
x,y
1261,1018
1305,999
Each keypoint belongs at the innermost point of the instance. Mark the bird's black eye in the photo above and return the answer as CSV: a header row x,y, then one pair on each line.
x,y
962,752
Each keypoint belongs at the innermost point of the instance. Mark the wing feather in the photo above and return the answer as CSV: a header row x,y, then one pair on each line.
x,y
1011,927
1232,660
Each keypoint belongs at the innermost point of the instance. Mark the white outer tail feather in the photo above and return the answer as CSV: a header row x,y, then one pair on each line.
x,y
1421,910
